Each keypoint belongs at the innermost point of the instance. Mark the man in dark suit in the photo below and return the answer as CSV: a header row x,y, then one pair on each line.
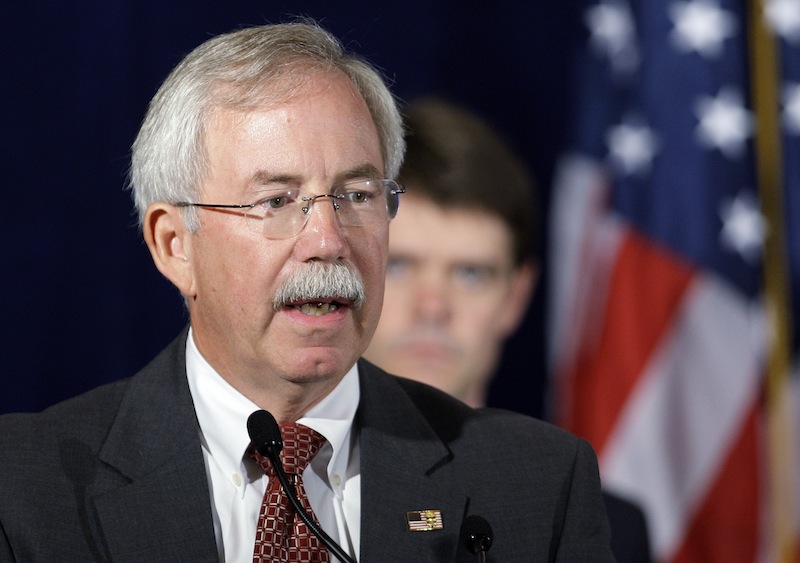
x,y
259,175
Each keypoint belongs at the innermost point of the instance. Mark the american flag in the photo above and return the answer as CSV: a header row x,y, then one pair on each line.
x,y
675,270
424,520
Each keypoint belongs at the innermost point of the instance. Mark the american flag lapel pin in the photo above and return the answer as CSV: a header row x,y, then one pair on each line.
x,y
424,520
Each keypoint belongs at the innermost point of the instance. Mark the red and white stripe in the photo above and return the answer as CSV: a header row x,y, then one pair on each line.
x,y
660,366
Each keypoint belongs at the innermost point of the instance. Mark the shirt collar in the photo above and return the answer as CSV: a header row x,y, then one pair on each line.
x,y
222,414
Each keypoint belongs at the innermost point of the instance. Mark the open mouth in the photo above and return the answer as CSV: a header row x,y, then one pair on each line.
x,y
317,308
321,288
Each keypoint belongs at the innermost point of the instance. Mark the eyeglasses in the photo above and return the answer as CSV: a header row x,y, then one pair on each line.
x,y
285,211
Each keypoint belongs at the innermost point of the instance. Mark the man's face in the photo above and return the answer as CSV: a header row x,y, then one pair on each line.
x,y
452,297
322,136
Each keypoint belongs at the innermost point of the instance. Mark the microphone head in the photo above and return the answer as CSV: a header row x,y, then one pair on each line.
x,y
265,434
476,533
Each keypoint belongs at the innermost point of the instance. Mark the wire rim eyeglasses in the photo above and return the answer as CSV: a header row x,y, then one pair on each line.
x,y
284,211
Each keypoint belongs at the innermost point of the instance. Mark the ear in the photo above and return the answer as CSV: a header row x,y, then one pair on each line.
x,y
523,281
170,245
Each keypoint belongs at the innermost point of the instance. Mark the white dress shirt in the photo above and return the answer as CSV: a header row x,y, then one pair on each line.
x,y
237,483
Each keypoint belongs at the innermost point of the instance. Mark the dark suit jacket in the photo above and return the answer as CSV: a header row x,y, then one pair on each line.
x,y
117,474
630,539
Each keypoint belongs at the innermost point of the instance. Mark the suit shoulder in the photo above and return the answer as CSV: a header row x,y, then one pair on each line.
x,y
450,417
89,414
513,422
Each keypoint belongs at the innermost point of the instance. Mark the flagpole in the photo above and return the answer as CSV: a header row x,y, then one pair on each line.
x,y
764,66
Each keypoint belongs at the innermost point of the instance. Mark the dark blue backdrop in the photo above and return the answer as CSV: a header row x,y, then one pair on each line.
x,y
82,303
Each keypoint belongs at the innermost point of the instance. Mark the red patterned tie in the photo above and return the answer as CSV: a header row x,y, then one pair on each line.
x,y
281,535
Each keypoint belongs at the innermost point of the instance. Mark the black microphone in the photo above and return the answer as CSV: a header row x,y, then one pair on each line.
x,y
265,435
476,533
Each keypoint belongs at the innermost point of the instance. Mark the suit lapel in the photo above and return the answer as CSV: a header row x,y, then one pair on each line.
x,y
405,467
164,511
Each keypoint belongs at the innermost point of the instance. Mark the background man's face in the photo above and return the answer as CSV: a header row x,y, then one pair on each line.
x,y
452,297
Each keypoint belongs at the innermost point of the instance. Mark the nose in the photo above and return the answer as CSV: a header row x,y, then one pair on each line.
x,y
433,302
322,236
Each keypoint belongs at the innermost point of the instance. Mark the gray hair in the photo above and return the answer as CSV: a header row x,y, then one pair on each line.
x,y
242,69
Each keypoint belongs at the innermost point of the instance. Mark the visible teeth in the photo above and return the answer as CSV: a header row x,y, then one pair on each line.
x,y
318,309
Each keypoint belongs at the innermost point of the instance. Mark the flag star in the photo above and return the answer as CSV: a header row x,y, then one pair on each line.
x,y
791,107
725,123
613,34
632,146
702,26
783,16
743,227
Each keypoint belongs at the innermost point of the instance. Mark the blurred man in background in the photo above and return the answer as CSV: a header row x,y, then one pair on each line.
x,y
461,268
463,263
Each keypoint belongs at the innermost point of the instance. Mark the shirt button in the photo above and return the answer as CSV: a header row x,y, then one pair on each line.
x,y
237,479
337,481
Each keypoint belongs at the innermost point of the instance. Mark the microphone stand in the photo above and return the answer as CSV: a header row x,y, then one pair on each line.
x,y
265,436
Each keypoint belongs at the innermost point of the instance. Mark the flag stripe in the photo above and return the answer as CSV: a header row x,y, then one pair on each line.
x,y
645,278
587,240
722,529
684,416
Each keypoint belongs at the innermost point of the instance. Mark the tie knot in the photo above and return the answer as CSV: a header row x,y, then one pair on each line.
x,y
300,445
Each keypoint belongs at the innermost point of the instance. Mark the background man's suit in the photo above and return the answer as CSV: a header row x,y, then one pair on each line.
x,y
118,474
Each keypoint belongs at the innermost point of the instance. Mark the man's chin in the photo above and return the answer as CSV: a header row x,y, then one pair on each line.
x,y
320,364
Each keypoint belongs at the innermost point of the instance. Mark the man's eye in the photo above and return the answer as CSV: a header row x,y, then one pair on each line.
x,y
474,275
275,202
357,196
397,267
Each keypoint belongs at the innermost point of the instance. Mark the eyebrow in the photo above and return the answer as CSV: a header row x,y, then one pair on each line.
x,y
366,170
266,177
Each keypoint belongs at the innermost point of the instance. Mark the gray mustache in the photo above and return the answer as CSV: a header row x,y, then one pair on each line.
x,y
322,280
